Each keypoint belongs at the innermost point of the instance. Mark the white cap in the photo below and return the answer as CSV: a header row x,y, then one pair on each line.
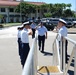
x,y
26,23
63,21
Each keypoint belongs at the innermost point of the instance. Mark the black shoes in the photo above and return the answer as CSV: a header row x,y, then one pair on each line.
x,y
39,48
42,51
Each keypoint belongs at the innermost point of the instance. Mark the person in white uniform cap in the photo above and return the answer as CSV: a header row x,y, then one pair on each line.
x,y
19,39
62,31
25,42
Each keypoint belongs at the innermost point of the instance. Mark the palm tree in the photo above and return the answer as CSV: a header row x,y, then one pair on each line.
x,y
64,6
69,5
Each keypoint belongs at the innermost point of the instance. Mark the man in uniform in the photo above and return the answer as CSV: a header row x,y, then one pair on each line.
x,y
19,40
62,30
33,26
25,42
42,34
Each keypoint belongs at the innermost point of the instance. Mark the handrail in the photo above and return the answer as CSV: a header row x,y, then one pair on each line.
x,y
58,52
62,54
68,65
30,67
55,39
72,41
56,56
71,56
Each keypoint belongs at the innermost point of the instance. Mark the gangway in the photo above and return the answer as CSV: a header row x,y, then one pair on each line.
x,y
59,66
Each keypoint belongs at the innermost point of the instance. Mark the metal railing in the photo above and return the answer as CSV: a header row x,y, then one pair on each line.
x,y
73,54
30,67
56,56
59,54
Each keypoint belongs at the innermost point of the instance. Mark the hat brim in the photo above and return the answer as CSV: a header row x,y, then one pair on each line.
x,y
62,22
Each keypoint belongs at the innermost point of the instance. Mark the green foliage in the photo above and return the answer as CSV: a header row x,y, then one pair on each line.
x,y
68,13
68,5
25,8
53,10
1,16
47,14
74,15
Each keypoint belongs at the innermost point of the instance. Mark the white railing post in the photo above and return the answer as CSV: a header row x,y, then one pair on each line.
x,y
54,51
64,54
35,58
75,61
70,59
53,54
58,55
30,65
60,45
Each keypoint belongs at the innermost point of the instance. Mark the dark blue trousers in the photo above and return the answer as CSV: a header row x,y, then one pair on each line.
x,y
33,35
66,44
24,53
41,41
19,46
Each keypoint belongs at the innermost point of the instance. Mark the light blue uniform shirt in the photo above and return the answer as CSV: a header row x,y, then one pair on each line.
x,y
62,32
42,30
33,26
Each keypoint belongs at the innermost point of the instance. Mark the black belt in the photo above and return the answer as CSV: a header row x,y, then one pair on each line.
x,y
19,38
26,43
40,35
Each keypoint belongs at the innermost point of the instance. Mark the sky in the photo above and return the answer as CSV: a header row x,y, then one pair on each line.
x,y
72,2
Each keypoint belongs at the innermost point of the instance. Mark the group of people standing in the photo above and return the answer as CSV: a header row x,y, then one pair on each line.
x,y
30,29
23,41
23,38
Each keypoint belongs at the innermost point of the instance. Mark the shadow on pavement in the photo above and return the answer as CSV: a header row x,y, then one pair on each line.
x,y
71,32
71,72
47,53
72,62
